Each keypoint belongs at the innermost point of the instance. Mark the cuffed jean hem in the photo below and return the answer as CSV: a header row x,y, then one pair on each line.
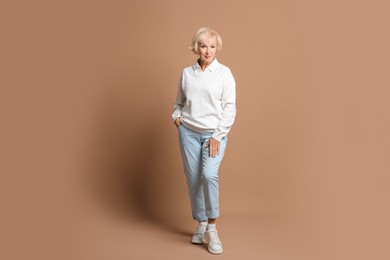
x,y
213,214
205,216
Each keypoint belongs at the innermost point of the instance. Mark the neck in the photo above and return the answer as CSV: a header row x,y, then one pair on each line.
x,y
203,65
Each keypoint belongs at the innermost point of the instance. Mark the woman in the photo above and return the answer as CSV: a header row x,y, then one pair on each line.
x,y
204,112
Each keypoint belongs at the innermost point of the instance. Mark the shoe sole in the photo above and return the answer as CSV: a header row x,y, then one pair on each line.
x,y
198,243
215,252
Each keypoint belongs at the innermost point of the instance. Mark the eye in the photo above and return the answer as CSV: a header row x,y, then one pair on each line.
x,y
213,46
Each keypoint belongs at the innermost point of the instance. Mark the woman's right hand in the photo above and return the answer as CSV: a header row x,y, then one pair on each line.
x,y
177,122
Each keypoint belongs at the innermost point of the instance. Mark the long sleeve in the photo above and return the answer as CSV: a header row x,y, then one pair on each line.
x,y
180,99
229,107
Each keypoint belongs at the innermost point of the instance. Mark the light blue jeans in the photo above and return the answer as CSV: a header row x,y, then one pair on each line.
x,y
201,172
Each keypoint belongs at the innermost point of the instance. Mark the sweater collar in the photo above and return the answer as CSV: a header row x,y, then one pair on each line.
x,y
213,66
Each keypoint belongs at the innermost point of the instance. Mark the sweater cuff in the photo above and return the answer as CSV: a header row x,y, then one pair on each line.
x,y
174,118
218,136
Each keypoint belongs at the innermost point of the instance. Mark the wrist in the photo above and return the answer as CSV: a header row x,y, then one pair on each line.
x,y
177,121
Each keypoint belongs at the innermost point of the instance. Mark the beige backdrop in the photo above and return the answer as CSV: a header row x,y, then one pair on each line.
x,y
91,161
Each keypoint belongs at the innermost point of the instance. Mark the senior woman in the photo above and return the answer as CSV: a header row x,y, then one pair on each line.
x,y
204,113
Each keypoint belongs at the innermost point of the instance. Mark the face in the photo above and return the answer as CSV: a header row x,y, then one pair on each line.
x,y
207,49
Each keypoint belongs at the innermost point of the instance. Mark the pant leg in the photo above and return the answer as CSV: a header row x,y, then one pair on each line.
x,y
191,151
210,168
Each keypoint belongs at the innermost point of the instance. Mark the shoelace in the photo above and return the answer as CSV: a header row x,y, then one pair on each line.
x,y
214,239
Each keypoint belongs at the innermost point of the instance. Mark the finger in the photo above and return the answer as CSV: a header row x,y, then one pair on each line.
x,y
212,144
211,150
214,149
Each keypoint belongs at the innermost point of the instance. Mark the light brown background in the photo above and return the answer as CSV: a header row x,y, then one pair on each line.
x,y
90,158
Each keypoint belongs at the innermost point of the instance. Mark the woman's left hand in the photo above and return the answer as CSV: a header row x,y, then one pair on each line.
x,y
213,145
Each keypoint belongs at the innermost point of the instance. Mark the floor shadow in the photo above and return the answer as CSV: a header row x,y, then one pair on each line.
x,y
125,154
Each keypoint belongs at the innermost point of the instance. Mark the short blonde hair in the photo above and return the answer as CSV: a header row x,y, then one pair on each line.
x,y
205,33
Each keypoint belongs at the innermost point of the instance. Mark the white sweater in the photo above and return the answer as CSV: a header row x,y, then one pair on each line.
x,y
206,100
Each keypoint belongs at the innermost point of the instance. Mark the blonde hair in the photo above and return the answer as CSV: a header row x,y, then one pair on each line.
x,y
205,33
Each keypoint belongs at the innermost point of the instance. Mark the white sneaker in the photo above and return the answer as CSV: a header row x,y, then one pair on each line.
x,y
215,245
198,237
